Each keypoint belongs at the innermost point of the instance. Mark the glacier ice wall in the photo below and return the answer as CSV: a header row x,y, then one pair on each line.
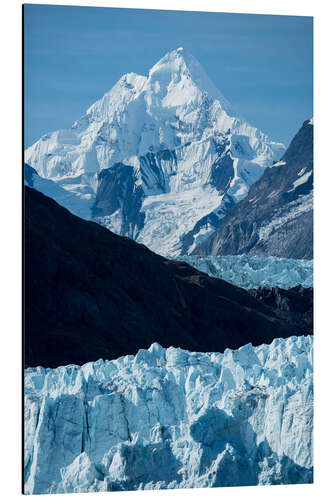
x,y
169,418
252,272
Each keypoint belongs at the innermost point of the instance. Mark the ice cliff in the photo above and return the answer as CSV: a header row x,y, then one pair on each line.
x,y
252,272
169,418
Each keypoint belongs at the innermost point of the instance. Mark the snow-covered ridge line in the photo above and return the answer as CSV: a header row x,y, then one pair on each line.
x,y
252,272
169,418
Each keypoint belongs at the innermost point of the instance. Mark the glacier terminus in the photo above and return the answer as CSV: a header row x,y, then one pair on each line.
x,y
170,418
253,271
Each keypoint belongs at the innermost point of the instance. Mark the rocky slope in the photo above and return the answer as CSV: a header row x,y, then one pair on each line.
x,y
90,293
276,217
160,158
169,418
294,305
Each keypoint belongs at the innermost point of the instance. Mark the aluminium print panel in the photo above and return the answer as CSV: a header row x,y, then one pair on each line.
x,y
168,249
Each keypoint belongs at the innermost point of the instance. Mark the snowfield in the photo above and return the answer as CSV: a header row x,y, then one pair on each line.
x,y
252,272
169,418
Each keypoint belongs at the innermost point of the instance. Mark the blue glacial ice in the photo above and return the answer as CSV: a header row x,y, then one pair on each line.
x,y
252,272
169,418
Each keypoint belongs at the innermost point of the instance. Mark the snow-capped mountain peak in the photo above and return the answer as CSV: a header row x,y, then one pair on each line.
x,y
179,69
159,158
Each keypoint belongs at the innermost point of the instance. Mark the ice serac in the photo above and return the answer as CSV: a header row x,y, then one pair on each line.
x,y
169,418
161,157
253,271
276,216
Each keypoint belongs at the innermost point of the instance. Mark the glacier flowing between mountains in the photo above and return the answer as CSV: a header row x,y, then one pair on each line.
x,y
252,272
169,418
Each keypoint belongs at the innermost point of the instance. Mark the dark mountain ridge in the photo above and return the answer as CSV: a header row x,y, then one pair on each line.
x,y
294,305
91,294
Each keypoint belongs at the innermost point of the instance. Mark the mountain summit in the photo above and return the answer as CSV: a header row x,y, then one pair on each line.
x,y
184,72
159,158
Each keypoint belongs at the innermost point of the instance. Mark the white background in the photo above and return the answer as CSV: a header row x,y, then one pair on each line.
x,y
10,248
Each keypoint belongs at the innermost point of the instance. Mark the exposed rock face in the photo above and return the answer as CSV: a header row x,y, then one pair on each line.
x,y
118,195
90,294
295,305
276,217
169,418
171,138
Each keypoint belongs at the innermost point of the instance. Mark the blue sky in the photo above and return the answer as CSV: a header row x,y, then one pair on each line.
x,y
73,55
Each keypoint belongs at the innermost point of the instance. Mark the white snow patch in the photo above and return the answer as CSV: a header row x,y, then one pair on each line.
x,y
273,194
300,181
254,199
279,163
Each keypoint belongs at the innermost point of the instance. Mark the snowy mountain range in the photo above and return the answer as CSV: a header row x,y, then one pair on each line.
x,y
169,418
276,216
159,158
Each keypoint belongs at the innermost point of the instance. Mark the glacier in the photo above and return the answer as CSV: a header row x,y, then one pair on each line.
x,y
176,151
170,418
252,272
